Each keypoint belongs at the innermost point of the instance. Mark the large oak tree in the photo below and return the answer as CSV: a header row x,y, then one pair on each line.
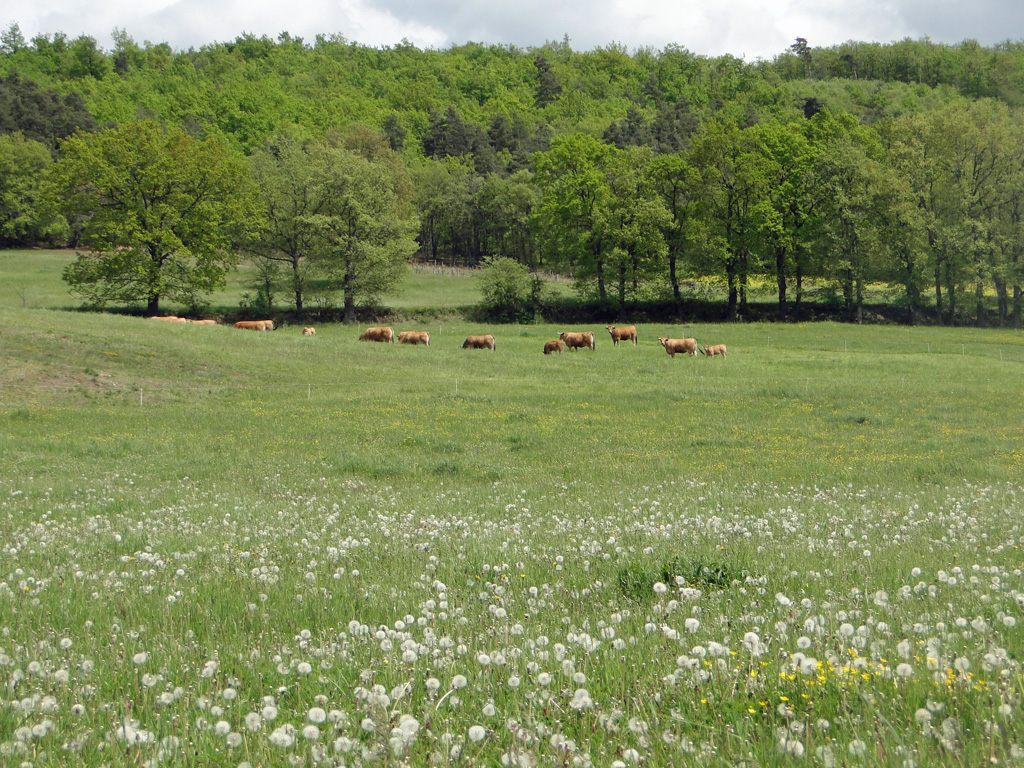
x,y
160,213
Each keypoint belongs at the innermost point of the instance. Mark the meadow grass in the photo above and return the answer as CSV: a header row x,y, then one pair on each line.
x,y
229,548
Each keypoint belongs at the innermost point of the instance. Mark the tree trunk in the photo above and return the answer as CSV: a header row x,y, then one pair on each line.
x,y
1004,301
297,283
860,302
622,285
1018,306
673,277
979,297
153,306
350,299
938,292
730,276
599,268
780,276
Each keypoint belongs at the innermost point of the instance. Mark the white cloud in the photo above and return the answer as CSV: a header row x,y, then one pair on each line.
x,y
748,28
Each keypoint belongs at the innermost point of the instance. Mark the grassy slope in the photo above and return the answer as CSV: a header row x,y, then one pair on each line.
x,y
795,404
353,475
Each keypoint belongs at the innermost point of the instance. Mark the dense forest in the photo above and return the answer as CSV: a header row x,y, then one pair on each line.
x,y
643,174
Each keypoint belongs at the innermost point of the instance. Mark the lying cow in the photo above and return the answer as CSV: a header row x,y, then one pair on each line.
x,y
554,346
309,331
387,335
203,322
687,346
255,325
575,340
479,342
717,349
414,337
169,319
627,333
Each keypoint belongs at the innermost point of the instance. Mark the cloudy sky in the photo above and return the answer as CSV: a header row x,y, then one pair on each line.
x,y
745,28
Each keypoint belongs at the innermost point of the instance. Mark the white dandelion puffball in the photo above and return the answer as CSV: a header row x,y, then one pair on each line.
x,y
459,681
660,588
317,715
904,670
311,733
140,658
477,733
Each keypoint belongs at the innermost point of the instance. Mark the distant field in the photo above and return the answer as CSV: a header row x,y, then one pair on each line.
x,y
32,279
233,548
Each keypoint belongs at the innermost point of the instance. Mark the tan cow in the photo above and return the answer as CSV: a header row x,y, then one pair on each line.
x,y
309,331
387,335
686,346
255,325
479,342
626,333
414,337
169,319
574,340
716,349
554,346
203,322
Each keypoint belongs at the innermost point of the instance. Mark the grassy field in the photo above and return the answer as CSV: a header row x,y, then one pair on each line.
x,y
231,548
32,279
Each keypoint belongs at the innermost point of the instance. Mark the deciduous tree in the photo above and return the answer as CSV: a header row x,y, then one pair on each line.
x,y
161,213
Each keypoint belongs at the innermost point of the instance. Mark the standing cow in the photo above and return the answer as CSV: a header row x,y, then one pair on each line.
x,y
626,333
554,346
479,342
414,337
386,335
683,346
578,340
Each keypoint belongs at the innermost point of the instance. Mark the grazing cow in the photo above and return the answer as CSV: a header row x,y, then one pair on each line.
x,y
203,322
387,335
309,331
554,346
574,340
479,342
169,319
255,325
717,349
414,337
627,333
687,346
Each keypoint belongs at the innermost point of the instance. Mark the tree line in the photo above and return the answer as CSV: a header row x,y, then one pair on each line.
x,y
330,164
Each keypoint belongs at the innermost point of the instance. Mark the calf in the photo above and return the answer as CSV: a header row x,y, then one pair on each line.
x,y
717,349
554,346
309,331
687,346
169,319
627,333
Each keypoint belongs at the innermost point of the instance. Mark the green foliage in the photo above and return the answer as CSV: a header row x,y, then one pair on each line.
x,y
41,115
23,219
509,293
160,213
363,228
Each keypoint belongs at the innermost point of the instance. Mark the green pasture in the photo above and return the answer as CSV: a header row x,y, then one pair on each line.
x,y
234,548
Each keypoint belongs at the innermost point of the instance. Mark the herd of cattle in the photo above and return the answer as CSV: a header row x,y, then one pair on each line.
x,y
572,340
